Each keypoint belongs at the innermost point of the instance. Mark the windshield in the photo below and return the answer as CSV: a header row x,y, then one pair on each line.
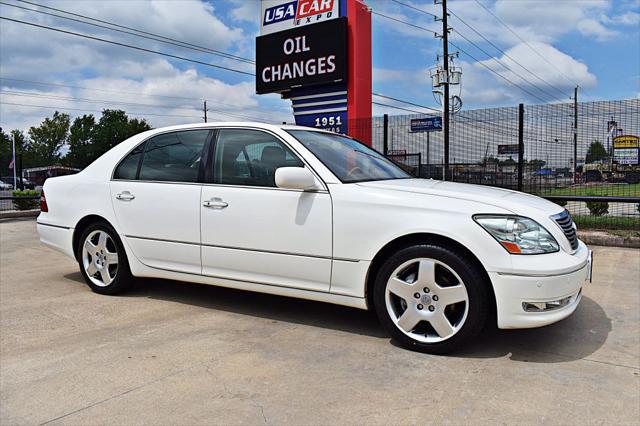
x,y
348,159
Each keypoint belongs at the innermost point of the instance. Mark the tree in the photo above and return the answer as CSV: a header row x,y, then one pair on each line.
x,y
114,127
47,139
596,152
5,153
81,142
88,140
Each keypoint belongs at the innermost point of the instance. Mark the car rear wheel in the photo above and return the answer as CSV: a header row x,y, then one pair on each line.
x,y
431,299
103,261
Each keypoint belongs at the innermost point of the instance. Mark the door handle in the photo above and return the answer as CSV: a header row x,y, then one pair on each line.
x,y
215,203
125,196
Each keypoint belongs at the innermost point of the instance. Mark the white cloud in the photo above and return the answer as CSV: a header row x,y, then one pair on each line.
x,y
157,83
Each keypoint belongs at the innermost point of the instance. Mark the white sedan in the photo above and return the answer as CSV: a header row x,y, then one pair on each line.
x,y
306,213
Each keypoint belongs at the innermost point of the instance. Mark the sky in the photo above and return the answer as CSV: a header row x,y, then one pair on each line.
x,y
551,46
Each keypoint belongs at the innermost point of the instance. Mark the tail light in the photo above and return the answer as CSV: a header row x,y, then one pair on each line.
x,y
43,203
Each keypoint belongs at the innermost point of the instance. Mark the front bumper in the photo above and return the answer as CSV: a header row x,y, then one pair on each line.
x,y
557,295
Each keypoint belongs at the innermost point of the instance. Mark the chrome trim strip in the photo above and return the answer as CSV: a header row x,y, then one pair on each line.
x,y
310,104
245,249
53,226
269,188
581,267
316,111
319,95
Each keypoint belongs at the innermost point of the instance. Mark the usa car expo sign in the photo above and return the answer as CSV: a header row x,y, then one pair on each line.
x,y
317,54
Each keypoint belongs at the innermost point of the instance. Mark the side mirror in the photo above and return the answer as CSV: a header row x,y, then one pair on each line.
x,y
295,178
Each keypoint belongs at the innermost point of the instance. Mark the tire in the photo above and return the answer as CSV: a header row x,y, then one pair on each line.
x,y
103,260
406,274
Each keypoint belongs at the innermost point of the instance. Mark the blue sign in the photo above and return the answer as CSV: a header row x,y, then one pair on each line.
x,y
431,124
280,13
331,121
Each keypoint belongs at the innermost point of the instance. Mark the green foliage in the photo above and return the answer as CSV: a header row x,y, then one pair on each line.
x,y
27,204
598,208
88,140
46,140
596,152
80,142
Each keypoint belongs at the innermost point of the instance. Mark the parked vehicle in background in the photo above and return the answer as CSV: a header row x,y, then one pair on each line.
x,y
38,175
307,213
25,182
5,186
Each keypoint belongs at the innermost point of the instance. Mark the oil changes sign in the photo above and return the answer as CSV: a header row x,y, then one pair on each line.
x,y
626,149
308,55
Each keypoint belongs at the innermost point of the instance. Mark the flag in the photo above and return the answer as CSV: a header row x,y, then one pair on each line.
x,y
13,162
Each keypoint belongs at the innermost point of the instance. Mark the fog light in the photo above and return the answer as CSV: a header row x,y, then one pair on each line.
x,y
551,305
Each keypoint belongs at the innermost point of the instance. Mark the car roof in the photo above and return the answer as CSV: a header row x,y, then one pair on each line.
x,y
253,124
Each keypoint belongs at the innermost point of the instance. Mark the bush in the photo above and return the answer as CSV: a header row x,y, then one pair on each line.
x,y
598,208
561,203
26,204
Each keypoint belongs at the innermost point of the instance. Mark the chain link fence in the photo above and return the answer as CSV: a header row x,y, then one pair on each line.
x,y
583,156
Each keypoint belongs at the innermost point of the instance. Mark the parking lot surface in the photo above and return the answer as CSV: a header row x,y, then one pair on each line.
x,y
170,352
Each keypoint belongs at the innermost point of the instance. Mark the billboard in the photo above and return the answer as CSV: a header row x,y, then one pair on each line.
x,y
431,124
279,15
511,149
626,149
311,55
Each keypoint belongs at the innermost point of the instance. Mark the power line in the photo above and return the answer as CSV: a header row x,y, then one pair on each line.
x,y
396,107
503,52
406,102
525,42
126,45
494,72
404,22
416,9
168,39
509,69
108,102
129,93
85,110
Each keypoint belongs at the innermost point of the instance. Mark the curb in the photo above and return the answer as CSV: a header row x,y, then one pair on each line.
x,y
19,213
597,238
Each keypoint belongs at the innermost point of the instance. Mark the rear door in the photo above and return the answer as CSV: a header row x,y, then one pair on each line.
x,y
156,197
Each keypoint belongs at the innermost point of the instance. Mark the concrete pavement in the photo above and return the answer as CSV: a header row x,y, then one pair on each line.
x,y
174,353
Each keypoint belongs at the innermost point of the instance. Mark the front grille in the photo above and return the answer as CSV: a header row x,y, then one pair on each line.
x,y
565,223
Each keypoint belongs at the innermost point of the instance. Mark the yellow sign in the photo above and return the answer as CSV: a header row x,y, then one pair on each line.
x,y
626,141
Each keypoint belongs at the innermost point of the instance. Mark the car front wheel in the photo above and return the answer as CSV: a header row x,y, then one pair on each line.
x,y
430,298
103,261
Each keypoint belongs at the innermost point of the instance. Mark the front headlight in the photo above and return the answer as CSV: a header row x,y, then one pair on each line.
x,y
518,235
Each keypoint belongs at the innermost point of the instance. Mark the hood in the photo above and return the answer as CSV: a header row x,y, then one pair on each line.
x,y
516,202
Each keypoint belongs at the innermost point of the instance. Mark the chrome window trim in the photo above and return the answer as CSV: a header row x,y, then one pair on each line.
x,y
218,127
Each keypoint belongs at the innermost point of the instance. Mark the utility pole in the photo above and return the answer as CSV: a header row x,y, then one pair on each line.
x,y
575,135
445,101
204,108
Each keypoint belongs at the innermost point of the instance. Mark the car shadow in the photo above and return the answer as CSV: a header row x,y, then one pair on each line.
x,y
574,338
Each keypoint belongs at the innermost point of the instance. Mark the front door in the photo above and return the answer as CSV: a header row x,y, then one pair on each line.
x,y
253,231
156,198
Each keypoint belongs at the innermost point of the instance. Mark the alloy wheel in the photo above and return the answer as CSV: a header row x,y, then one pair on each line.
x,y
427,300
100,258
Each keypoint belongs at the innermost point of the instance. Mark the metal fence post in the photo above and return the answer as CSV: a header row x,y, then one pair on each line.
x,y
520,145
385,135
